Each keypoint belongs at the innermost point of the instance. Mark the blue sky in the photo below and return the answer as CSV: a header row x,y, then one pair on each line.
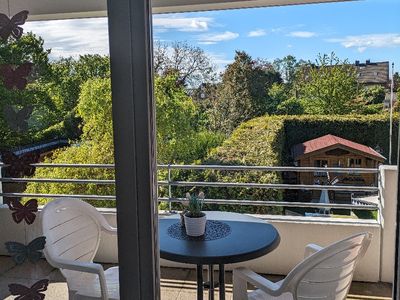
x,y
361,30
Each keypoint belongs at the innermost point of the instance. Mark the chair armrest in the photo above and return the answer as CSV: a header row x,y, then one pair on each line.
x,y
258,281
311,249
109,229
86,267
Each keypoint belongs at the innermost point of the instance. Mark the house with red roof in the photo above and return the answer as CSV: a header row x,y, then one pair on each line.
x,y
333,151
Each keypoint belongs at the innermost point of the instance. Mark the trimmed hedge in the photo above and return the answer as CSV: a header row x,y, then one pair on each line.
x,y
267,141
370,130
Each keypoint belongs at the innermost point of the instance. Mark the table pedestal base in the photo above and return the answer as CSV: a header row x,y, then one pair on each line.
x,y
210,284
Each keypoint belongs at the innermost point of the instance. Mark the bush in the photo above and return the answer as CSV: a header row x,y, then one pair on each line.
x,y
256,142
291,106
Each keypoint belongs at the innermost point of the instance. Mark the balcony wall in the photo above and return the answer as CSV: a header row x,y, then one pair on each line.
x,y
296,232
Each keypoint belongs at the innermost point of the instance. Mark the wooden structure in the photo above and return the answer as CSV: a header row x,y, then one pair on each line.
x,y
333,151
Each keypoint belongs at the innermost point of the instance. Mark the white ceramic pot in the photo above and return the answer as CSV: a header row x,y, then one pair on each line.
x,y
195,226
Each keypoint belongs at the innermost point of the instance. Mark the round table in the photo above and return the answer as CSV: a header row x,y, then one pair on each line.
x,y
247,239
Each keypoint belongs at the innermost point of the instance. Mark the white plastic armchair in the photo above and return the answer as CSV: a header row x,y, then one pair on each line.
x,y
72,229
325,273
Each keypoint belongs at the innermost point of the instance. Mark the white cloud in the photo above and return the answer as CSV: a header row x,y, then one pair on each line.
x,y
220,60
209,39
197,24
302,34
72,37
257,33
365,41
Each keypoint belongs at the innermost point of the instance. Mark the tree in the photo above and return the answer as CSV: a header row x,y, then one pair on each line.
x,y
327,87
64,82
177,139
288,67
192,66
291,106
373,95
277,94
243,92
25,110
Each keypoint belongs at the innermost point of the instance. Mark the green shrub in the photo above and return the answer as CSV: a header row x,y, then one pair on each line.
x,y
370,130
256,142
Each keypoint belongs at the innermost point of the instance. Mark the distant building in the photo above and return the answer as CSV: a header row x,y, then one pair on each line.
x,y
373,73
334,151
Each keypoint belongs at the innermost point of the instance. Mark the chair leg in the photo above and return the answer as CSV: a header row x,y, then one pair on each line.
x,y
239,287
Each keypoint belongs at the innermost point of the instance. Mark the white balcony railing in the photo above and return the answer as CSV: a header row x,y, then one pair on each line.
x,y
169,183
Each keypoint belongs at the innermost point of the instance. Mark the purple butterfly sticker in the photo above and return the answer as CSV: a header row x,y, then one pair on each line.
x,y
15,77
35,292
23,212
11,26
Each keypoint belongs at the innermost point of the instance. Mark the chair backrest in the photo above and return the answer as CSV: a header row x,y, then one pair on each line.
x,y
328,273
72,229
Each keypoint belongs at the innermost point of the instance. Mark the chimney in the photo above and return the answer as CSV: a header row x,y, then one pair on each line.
x,y
357,63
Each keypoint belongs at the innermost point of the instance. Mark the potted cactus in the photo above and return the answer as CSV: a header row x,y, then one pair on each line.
x,y
195,219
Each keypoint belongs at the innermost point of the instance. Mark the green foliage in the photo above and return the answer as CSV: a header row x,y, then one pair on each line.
x,y
29,48
371,130
176,121
242,94
291,106
27,127
195,206
256,142
373,95
329,87
96,147
277,94
288,67
177,139
64,83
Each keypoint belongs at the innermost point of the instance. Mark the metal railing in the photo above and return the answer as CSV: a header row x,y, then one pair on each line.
x,y
170,183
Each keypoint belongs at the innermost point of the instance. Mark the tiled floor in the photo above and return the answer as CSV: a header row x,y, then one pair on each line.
x,y
175,283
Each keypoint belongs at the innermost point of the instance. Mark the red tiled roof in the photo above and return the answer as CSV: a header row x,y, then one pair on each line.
x,y
331,140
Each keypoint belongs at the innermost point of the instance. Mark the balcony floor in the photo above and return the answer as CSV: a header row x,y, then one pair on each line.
x,y
175,283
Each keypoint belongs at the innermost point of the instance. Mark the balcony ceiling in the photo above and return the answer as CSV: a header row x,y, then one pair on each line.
x,y
68,9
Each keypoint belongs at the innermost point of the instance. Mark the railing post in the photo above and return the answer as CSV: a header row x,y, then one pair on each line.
x,y
169,188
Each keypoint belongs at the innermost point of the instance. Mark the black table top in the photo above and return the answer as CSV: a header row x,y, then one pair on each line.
x,y
247,240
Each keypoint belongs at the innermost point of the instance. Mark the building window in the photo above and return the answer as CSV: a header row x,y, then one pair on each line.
x,y
320,163
354,162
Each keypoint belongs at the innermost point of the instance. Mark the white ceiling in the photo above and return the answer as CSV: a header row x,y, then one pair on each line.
x,y
64,9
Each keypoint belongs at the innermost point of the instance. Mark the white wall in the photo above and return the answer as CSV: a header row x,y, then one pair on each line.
x,y
388,191
295,233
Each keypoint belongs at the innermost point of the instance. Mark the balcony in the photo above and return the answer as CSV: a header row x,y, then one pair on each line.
x,y
373,275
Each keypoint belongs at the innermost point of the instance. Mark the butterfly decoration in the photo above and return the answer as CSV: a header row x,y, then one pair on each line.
x,y
17,120
15,76
11,27
35,292
23,212
20,252
19,166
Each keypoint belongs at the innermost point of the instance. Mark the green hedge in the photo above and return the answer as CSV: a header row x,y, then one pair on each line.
x,y
256,142
370,130
267,141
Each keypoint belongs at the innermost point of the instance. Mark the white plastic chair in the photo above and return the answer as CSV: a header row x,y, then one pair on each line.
x,y
72,229
325,273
